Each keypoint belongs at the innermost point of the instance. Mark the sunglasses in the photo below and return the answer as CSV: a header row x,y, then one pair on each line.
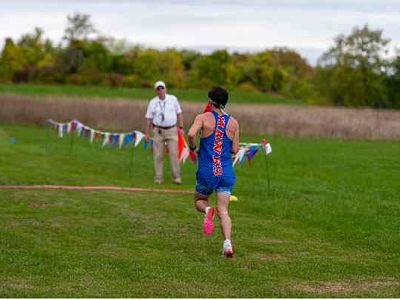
x,y
159,88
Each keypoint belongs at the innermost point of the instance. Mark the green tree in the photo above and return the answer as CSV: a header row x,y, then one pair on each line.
x,y
214,69
258,72
291,73
70,59
11,60
170,66
79,27
96,56
151,64
35,48
25,60
189,57
145,65
84,60
354,69
393,82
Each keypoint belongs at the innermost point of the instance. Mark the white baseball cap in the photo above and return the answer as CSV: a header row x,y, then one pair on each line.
x,y
159,83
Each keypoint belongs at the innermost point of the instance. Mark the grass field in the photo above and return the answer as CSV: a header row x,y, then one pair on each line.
x,y
327,227
194,95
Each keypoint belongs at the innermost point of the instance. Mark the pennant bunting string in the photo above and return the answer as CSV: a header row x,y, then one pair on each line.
x,y
106,138
246,150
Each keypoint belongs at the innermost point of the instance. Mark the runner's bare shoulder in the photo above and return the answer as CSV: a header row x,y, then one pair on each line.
x,y
200,118
233,123
208,123
232,127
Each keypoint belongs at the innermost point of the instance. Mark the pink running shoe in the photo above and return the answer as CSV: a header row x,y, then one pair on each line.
x,y
208,224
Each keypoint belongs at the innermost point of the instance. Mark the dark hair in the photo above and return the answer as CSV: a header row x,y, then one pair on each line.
x,y
218,96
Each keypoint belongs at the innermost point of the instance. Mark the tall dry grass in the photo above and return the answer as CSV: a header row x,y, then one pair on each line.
x,y
123,115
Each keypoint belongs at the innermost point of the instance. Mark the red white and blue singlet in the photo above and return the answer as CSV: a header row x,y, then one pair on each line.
x,y
215,172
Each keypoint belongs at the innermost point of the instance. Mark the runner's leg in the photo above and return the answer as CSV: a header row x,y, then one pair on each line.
x,y
223,214
201,202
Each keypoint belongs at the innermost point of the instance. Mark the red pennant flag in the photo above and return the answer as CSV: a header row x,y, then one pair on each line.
x,y
181,142
73,125
193,156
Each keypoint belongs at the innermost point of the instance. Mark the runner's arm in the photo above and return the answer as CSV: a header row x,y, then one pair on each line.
x,y
235,141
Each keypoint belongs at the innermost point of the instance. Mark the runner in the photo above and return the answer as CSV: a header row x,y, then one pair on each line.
x,y
219,139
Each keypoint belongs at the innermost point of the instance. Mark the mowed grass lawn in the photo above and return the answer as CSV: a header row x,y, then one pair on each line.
x,y
193,95
327,227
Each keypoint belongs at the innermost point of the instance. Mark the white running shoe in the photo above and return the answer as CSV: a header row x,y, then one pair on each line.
x,y
227,251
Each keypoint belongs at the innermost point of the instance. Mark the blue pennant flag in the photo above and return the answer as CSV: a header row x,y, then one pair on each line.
x,y
252,151
115,139
128,138
145,144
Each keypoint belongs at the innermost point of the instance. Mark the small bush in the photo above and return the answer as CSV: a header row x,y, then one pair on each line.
x,y
247,87
131,81
76,79
115,80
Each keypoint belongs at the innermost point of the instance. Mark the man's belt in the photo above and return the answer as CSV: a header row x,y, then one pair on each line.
x,y
164,127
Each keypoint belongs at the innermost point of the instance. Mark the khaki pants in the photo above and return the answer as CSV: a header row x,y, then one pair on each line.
x,y
171,137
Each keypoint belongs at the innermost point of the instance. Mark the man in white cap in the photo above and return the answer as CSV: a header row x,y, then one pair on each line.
x,y
163,116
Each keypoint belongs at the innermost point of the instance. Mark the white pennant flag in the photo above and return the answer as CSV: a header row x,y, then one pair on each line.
x,y
239,155
268,149
79,128
51,122
121,139
60,130
92,132
105,141
184,155
139,137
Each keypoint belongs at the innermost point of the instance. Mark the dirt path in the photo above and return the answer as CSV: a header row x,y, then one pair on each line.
x,y
93,188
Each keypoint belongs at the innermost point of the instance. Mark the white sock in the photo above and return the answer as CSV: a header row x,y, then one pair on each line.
x,y
206,209
227,243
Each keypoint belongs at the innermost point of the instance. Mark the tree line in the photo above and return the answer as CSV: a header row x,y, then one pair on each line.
x,y
356,71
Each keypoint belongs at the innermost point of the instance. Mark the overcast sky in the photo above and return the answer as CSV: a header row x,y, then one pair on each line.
x,y
306,26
